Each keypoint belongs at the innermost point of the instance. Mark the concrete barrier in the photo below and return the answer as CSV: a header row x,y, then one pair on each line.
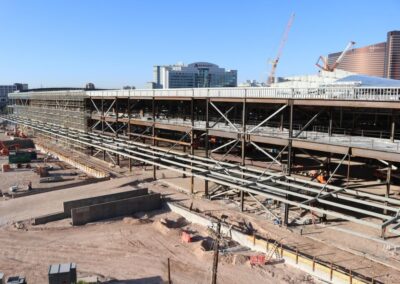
x,y
86,214
49,218
71,204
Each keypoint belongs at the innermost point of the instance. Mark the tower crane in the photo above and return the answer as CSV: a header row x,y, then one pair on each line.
x,y
326,66
271,78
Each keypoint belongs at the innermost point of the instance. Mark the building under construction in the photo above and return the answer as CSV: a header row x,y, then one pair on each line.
x,y
331,151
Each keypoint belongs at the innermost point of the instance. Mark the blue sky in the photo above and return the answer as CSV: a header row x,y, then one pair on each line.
x,y
116,42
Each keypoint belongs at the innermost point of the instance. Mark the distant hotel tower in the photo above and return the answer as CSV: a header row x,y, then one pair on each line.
x,y
380,59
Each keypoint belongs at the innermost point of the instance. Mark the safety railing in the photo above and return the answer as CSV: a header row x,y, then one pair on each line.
x,y
325,93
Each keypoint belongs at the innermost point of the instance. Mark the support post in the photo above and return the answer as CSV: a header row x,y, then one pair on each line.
x,y
389,169
348,169
116,116
102,116
330,122
243,162
207,144
289,161
129,130
169,272
154,134
192,142
216,253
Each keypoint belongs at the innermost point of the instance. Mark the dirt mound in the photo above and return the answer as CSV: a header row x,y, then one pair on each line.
x,y
161,226
131,221
239,259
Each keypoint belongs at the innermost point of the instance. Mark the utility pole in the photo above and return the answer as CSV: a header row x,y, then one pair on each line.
x,y
216,253
169,272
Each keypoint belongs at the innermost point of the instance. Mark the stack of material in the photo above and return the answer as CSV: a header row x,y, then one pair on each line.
x,y
16,280
19,143
5,168
42,171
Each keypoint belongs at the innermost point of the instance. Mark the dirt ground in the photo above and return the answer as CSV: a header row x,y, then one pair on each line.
x,y
19,209
132,248
138,248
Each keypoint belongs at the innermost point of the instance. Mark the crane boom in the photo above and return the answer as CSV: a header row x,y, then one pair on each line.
x,y
324,60
348,47
271,78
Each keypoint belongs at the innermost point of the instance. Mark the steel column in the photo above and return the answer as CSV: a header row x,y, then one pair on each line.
x,y
153,133
192,142
289,162
243,162
207,143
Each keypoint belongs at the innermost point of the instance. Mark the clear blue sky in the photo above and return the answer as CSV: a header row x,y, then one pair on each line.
x,y
114,43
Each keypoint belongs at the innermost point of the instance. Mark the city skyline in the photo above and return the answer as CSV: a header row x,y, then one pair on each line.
x,y
116,43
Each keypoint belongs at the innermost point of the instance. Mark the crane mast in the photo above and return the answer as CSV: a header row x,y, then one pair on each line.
x,y
271,78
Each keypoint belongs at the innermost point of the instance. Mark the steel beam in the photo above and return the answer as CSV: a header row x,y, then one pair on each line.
x,y
154,157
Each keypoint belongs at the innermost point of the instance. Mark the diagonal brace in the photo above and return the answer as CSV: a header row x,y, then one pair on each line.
x,y
267,119
225,117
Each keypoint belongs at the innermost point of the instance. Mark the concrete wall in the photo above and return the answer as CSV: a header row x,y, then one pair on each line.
x,y
83,215
69,205
320,271
49,218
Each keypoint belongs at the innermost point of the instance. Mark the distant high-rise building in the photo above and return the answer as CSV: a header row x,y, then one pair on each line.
x,y
6,89
195,75
380,59
392,59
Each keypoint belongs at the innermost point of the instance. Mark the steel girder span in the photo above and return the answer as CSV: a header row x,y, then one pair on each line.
x,y
343,203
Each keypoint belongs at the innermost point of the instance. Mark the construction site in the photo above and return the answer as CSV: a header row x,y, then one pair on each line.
x,y
293,181
276,185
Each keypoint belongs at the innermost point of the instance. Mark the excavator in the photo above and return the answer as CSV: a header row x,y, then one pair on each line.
x,y
5,150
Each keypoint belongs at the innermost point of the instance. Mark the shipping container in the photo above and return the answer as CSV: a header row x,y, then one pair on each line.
x,y
19,157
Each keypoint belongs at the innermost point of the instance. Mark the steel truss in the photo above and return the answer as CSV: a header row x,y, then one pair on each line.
x,y
343,203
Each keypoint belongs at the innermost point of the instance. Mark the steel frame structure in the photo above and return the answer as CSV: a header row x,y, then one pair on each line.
x,y
114,117
303,194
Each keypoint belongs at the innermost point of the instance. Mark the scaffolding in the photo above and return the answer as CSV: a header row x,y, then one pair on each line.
x,y
66,108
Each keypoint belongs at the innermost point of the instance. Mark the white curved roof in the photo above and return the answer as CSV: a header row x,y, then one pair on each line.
x,y
364,80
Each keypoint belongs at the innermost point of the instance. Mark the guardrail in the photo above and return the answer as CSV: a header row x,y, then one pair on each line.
x,y
326,93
